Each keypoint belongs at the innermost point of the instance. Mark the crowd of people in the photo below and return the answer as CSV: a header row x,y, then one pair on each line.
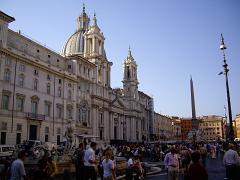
x,y
180,160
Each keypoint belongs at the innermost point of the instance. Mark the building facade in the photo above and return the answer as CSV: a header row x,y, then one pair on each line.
x,y
186,127
212,127
236,124
43,92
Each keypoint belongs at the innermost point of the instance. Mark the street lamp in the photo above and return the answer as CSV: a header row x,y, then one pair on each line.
x,y
172,130
226,70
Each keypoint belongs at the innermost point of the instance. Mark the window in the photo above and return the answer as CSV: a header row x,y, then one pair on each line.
x,y
128,72
7,75
35,84
21,67
5,101
69,112
58,139
59,92
49,56
34,106
79,115
3,137
69,94
20,104
58,130
48,88
88,72
46,130
18,138
59,81
47,109
69,67
48,77
79,68
21,80
35,72
38,50
7,62
19,127
46,137
4,126
101,118
59,111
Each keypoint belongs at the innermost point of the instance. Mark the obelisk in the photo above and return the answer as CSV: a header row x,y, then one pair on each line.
x,y
194,118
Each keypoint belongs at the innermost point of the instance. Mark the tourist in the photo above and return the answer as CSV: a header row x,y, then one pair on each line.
x,y
90,162
129,169
172,164
213,151
51,167
138,167
79,164
185,158
231,161
42,164
196,170
108,167
203,152
17,167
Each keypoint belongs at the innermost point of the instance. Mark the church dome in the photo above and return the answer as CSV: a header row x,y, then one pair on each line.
x,y
75,44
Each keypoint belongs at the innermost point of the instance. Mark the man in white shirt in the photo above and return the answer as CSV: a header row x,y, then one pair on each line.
x,y
231,160
172,164
129,170
90,162
17,167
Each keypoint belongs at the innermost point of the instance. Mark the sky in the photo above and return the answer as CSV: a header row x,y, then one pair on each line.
x,y
170,40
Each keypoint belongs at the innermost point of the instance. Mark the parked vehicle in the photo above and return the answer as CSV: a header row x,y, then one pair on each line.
x,y
6,150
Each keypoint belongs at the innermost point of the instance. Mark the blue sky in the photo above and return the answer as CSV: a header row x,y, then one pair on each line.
x,y
170,40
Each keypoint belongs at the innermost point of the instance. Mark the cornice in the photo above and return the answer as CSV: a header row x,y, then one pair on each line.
x,y
36,63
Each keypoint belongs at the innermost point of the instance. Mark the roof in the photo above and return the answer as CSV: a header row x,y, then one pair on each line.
x,y
6,17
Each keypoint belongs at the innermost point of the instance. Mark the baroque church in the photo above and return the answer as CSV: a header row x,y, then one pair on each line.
x,y
43,92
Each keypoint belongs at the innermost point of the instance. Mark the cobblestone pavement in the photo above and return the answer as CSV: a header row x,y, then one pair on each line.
x,y
216,171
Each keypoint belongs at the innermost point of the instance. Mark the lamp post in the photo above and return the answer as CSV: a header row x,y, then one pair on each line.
x,y
226,70
172,131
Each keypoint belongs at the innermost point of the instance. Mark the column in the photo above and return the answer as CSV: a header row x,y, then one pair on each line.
x,y
106,129
140,128
133,129
94,111
93,45
85,46
110,125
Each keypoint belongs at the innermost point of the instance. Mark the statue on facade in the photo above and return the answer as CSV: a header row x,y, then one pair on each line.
x,y
69,138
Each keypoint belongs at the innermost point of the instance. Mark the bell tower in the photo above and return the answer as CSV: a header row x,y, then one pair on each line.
x,y
94,40
95,53
130,81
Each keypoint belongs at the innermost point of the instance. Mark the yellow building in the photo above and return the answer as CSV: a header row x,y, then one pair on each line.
x,y
237,126
212,127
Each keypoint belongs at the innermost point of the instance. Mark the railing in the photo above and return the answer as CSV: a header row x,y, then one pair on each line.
x,y
35,116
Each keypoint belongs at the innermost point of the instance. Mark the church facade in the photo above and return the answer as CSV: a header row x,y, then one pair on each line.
x,y
43,92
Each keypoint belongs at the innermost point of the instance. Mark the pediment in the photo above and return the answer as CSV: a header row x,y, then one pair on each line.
x,y
117,102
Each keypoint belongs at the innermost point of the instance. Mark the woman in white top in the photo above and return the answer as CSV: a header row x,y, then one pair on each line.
x,y
108,167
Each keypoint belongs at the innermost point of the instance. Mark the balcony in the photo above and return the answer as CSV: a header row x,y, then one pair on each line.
x,y
34,116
